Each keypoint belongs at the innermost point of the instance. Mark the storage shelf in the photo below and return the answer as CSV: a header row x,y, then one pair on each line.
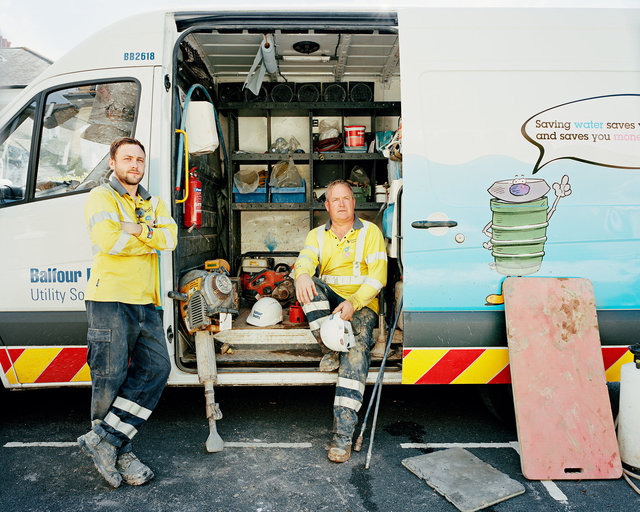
x,y
300,109
322,167
295,206
361,206
330,155
268,157
242,157
269,206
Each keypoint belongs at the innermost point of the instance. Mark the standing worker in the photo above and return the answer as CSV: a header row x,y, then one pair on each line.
x,y
352,260
127,352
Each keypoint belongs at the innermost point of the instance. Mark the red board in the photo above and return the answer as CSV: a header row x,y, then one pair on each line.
x,y
563,413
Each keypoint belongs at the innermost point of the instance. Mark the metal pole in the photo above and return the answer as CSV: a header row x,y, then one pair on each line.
x,y
380,377
373,429
378,387
208,374
357,446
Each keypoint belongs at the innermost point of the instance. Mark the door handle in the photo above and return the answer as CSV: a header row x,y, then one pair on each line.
x,y
426,224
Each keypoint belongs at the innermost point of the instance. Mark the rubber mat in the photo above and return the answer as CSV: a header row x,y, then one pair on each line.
x,y
563,414
465,480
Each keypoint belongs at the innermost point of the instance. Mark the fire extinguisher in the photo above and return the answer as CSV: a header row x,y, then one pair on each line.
x,y
193,204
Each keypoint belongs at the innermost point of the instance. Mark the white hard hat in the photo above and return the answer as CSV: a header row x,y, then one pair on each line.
x,y
267,311
337,334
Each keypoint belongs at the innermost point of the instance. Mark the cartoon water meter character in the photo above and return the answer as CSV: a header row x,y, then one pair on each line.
x,y
518,227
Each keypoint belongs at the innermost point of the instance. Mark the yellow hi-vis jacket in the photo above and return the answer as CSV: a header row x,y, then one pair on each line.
x,y
125,267
354,267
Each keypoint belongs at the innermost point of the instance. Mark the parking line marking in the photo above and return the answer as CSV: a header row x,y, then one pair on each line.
x,y
231,444
53,444
510,444
236,444
553,490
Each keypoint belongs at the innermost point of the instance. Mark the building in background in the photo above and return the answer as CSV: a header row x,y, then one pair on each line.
x,y
18,67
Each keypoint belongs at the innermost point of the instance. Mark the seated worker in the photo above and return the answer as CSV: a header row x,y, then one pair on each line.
x,y
351,257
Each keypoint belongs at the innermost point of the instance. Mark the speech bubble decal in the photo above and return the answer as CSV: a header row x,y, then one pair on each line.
x,y
603,130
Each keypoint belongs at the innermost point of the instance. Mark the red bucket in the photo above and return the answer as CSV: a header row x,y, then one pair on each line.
x,y
354,138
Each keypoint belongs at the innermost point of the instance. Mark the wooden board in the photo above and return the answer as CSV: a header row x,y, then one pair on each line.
x,y
563,414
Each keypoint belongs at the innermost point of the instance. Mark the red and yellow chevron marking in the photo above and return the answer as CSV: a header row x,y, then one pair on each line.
x,y
45,365
481,365
63,365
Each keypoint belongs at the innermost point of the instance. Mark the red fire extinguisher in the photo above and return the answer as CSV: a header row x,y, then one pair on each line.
x,y
193,204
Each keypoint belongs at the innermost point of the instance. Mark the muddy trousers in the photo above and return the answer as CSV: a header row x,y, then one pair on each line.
x,y
129,364
354,365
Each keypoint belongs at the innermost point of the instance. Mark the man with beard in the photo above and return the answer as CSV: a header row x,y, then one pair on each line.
x,y
127,352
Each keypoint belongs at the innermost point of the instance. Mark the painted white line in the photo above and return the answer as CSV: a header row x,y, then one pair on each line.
x,y
230,444
233,444
460,445
54,444
553,490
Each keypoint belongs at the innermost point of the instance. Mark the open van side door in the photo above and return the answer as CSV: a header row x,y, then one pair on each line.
x,y
518,159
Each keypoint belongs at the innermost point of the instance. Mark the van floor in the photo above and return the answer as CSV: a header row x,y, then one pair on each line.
x,y
285,344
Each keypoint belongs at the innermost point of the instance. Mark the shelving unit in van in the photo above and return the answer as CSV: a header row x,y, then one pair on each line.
x,y
253,126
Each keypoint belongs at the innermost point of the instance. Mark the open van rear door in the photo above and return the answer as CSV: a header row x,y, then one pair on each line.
x,y
511,156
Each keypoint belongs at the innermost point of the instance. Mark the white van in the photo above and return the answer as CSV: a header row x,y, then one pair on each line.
x,y
486,142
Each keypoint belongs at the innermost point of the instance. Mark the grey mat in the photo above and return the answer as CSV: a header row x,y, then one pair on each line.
x,y
461,477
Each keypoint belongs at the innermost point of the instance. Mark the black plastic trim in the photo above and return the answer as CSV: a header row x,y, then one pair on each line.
x,y
43,328
488,328
290,20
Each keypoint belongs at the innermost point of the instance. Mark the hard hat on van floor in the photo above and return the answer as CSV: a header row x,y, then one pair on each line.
x,y
337,334
267,311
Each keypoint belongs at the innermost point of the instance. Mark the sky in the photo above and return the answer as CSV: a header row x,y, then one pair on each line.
x,y
52,27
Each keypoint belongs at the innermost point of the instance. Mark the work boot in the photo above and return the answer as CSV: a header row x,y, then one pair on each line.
x,y
104,456
340,449
330,362
132,470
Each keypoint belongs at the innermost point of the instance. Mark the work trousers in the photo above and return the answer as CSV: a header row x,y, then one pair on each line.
x,y
129,364
354,364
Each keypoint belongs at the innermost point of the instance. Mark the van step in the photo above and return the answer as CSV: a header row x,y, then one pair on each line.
x,y
287,358
267,339
284,345
276,339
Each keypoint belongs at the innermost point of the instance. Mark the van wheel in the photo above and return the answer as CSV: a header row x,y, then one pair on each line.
x,y
498,399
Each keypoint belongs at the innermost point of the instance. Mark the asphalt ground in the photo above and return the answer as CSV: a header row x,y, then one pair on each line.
x,y
256,471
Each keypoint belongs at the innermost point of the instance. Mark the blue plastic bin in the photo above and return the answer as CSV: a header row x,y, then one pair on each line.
x,y
289,194
259,195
